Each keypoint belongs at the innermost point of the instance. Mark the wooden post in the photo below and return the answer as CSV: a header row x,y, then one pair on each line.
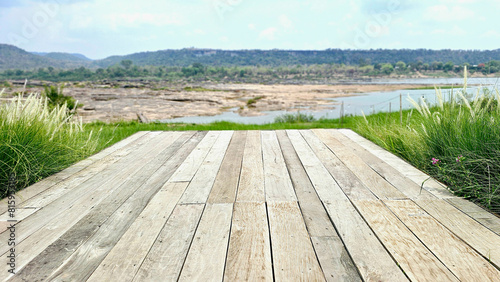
x,y
401,108
342,114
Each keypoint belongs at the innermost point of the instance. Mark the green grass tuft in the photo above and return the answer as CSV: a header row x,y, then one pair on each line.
x,y
456,141
37,141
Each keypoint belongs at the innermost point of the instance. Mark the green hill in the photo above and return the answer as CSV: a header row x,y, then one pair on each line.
x,y
186,57
75,57
12,57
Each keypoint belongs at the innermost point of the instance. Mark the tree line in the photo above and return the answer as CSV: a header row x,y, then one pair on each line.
x,y
198,71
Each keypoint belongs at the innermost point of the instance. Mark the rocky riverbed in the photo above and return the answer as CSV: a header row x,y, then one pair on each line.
x,y
116,101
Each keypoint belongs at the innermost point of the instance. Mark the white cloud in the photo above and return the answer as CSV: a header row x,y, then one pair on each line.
x,y
268,34
251,26
285,22
455,31
443,13
490,34
199,31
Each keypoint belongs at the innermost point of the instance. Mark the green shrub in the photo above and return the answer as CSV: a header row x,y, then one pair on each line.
x,y
55,97
457,142
251,102
37,141
294,118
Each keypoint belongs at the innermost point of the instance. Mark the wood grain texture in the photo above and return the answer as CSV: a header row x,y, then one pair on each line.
x,y
119,216
202,182
409,171
317,221
379,186
392,175
481,239
226,182
277,180
207,255
251,186
74,206
368,254
482,216
461,259
47,262
335,260
134,245
193,162
167,255
418,262
370,257
249,253
293,255
86,258
345,178
56,179
326,187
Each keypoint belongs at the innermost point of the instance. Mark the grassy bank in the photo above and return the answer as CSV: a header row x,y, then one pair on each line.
x,y
456,141
37,140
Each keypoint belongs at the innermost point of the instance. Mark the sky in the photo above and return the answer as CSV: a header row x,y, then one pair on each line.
x,y
101,28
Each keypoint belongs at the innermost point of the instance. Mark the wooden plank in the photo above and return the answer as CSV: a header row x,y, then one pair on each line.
x,y
278,185
167,255
379,186
487,219
61,249
136,242
249,253
226,182
191,165
19,215
325,186
63,187
414,191
47,183
335,260
83,196
481,239
413,257
207,255
392,175
317,221
202,182
293,255
347,181
417,176
251,186
369,255
461,259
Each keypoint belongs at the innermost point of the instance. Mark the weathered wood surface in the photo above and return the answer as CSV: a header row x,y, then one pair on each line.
x,y
295,205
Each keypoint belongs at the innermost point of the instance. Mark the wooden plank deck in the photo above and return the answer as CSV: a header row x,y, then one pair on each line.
x,y
295,205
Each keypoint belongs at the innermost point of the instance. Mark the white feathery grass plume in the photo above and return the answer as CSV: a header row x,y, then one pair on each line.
x,y
467,104
439,96
497,94
416,105
425,107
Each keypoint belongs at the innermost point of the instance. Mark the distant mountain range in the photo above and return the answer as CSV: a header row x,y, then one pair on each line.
x,y
12,57
73,57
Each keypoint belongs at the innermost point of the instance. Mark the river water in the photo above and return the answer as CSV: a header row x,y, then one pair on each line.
x,y
361,103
